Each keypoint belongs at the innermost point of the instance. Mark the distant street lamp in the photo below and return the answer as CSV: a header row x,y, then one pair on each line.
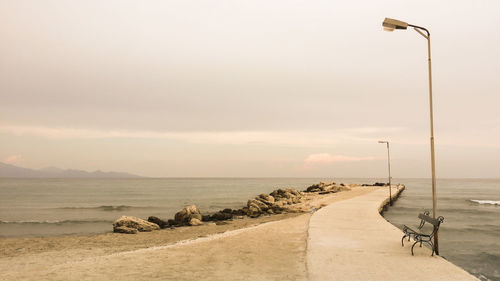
x,y
390,25
389,165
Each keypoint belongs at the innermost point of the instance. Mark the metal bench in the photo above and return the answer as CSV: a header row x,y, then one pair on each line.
x,y
419,236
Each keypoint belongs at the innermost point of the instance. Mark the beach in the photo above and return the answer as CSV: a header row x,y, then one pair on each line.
x,y
261,248
268,247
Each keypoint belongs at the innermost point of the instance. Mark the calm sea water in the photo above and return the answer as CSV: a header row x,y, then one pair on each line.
x,y
469,237
470,234
41,207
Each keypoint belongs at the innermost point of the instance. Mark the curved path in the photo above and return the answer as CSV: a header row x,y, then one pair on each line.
x,y
349,240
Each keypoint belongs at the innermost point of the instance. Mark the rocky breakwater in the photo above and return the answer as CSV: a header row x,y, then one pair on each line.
x,y
282,200
276,202
325,188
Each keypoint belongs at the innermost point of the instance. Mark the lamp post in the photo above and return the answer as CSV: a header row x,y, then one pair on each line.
x,y
390,25
389,166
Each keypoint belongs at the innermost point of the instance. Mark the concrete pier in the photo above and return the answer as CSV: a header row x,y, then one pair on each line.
x,y
350,240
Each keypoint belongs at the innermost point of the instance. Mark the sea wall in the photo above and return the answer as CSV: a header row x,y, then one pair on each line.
x,y
395,195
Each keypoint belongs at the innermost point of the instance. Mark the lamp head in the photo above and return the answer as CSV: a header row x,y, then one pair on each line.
x,y
382,141
391,24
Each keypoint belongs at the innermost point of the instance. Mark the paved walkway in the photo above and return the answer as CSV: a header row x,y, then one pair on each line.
x,y
349,240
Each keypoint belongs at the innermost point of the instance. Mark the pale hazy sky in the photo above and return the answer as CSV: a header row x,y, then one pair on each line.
x,y
249,88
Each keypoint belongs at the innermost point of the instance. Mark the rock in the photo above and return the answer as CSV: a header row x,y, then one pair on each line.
x,y
277,209
124,229
171,222
313,188
322,186
261,205
268,199
239,212
194,222
161,223
220,216
286,193
205,218
227,210
254,211
134,223
375,184
184,216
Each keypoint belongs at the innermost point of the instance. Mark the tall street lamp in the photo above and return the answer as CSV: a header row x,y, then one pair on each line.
x,y
390,25
389,166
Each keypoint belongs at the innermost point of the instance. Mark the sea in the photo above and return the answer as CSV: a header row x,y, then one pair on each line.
x,y
469,236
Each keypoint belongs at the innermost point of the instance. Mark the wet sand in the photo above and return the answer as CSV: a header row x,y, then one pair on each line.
x,y
264,248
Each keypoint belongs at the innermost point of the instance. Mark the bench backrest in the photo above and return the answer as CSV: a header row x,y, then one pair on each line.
x,y
435,222
429,219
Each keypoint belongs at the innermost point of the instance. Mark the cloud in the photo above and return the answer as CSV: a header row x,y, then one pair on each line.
x,y
281,138
326,158
13,159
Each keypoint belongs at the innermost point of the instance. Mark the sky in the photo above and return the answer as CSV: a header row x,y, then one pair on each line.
x,y
235,88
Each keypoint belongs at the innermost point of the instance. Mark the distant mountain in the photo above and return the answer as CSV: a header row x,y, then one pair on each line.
x,y
11,171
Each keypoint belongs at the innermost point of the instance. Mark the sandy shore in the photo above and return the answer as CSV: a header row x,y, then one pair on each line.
x,y
264,248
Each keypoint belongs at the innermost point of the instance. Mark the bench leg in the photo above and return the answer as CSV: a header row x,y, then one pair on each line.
x,y
402,239
432,248
413,246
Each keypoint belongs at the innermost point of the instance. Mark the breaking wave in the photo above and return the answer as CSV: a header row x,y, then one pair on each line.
x,y
104,208
485,202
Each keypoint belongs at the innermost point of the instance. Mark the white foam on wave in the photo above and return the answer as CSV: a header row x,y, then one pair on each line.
x,y
486,202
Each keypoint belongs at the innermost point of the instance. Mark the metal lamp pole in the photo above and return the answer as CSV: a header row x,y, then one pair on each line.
x,y
389,166
390,25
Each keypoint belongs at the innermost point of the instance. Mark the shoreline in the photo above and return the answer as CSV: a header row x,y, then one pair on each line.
x,y
9,246
274,247
51,252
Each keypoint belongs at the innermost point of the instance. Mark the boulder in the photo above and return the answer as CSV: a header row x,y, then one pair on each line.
x,y
313,188
255,208
239,212
122,224
254,211
267,199
375,184
124,229
322,186
184,216
194,221
286,193
261,205
277,209
161,223
220,216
